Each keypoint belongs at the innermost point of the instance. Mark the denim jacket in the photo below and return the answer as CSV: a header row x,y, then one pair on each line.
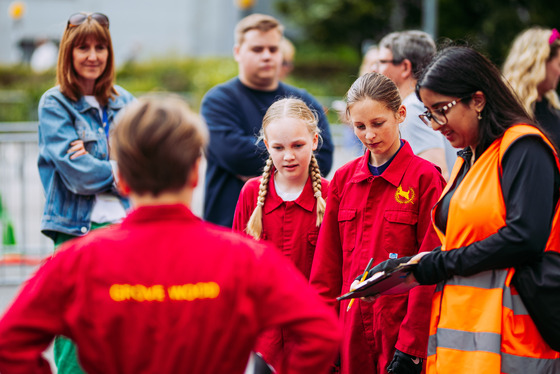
x,y
71,185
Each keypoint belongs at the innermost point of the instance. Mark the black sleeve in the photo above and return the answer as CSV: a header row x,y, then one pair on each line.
x,y
529,186
232,144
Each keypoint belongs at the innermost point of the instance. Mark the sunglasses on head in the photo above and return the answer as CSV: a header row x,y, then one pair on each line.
x,y
77,19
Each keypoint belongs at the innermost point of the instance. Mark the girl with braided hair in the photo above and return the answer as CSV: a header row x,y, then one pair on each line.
x,y
285,205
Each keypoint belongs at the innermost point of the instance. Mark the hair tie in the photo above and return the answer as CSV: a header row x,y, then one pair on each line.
x,y
260,203
318,194
553,36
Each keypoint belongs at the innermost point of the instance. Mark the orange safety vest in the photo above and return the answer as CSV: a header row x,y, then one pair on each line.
x,y
479,323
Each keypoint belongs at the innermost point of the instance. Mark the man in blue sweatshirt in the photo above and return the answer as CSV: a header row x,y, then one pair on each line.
x,y
234,111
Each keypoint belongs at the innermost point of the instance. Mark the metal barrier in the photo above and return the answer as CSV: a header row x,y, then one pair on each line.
x,y
23,197
22,202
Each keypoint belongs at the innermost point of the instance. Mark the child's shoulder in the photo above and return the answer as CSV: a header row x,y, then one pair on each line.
x,y
349,168
422,166
251,186
424,172
251,183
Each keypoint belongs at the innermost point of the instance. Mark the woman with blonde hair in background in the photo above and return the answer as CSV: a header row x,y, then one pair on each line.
x,y
285,205
533,70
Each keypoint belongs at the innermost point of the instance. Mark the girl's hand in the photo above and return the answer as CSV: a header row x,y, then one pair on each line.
x,y
77,149
416,258
369,299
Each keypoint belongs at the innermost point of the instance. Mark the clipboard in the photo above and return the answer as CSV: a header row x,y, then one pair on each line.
x,y
390,282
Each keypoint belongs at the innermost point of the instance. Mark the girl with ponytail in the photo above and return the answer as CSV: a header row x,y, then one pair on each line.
x,y
378,209
286,204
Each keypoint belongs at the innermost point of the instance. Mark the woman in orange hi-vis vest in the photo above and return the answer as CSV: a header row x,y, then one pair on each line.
x,y
499,210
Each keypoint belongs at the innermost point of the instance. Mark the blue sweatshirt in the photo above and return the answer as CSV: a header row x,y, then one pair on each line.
x,y
234,113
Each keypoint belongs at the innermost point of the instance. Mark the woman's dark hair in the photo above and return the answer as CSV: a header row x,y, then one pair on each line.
x,y
460,72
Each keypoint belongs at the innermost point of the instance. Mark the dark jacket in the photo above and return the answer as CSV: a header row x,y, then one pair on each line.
x,y
234,113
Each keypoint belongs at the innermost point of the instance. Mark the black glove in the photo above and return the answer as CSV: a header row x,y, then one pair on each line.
x,y
261,366
405,364
335,368
386,265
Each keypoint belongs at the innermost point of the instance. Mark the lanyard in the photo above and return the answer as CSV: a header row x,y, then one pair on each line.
x,y
106,123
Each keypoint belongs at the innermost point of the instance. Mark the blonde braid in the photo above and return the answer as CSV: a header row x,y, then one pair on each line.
x,y
254,225
316,180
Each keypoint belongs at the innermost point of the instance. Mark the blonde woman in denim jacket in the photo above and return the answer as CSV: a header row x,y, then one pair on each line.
x,y
74,122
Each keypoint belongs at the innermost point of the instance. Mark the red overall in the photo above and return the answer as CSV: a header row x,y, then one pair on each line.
x,y
380,217
291,227
165,292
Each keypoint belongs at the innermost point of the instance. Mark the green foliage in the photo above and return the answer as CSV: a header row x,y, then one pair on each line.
x,y
195,76
324,73
338,22
490,26
21,91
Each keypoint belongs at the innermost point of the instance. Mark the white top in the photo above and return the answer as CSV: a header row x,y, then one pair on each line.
x,y
287,196
106,207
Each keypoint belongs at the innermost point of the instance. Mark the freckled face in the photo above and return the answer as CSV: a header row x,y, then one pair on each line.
x,y
290,145
377,127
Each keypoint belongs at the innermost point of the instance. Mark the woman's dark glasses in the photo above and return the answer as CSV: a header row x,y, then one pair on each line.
x,y
77,19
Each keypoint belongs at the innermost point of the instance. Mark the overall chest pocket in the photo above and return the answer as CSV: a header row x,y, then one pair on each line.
x,y
90,138
347,225
399,232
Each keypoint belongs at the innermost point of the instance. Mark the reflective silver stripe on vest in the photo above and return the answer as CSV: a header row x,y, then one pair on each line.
x,y
518,364
464,341
487,279
480,341
432,345
514,303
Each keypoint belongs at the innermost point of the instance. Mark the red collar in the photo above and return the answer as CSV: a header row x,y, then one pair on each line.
x,y
393,174
173,212
306,199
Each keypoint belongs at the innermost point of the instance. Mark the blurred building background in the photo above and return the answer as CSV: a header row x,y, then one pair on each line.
x,y
185,46
141,29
